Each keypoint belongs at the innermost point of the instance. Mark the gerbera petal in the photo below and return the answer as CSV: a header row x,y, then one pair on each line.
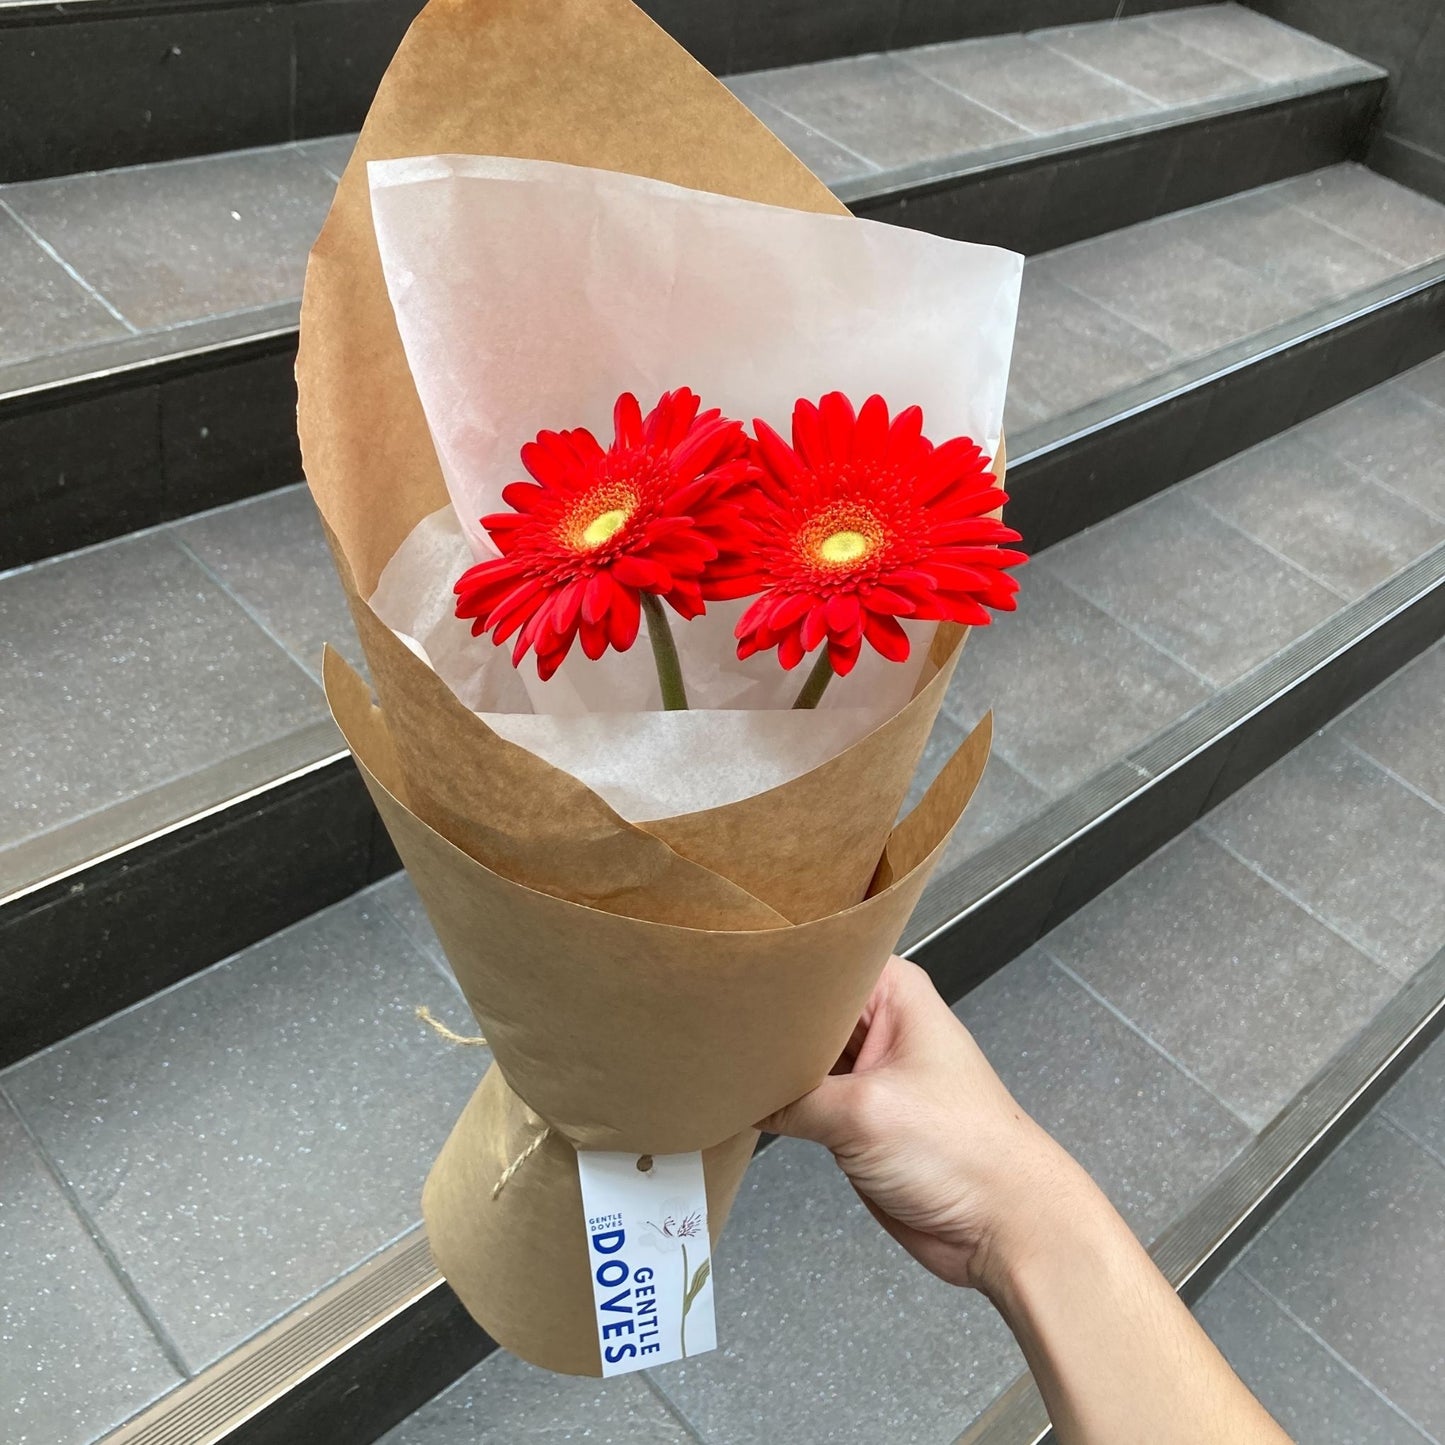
x,y
839,421
623,618
627,422
886,635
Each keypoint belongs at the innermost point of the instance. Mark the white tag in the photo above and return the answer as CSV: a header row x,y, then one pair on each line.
x,y
651,1258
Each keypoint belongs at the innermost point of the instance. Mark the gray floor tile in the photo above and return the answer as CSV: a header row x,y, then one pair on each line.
x,y
1400,222
398,896
827,160
185,239
1352,844
1071,689
1069,351
1219,968
1399,724
1262,233
271,555
883,111
1355,1258
330,152
1394,439
1427,381
1035,87
1244,38
1149,1135
64,1318
1136,274
828,1330
42,308
122,668
1150,60
246,1137
1192,584
1417,1102
505,1402
1314,1397
1304,503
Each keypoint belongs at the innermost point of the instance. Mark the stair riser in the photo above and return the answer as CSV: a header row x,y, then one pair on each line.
x,y
1035,204
104,457
91,943
1086,477
147,80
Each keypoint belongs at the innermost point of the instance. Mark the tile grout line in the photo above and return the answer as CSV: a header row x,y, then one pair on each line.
x,y
65,265
873,166
1136,632
1274,551
1368,953
122,1277
1388,1120
673,1410
1153,1043
1028,131
1366,474
182,546
1330,1350
1366,756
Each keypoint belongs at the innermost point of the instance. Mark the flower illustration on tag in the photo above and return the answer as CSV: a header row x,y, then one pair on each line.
x,y
677,1227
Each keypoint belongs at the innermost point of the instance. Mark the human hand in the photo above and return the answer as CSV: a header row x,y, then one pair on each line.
x,y
933,1142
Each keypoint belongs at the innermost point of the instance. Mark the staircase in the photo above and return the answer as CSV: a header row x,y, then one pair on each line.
x,y
1196,915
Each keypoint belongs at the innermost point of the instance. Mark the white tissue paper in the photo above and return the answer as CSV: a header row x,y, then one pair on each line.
x,y
528,296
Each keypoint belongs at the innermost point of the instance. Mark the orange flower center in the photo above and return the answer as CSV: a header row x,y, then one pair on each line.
x,y
842,536
597,517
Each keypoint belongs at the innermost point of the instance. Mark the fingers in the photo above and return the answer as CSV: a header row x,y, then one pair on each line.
x,y
817,1115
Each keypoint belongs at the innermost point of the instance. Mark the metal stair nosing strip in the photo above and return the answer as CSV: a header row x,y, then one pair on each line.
x,y
1198,1247
394,1331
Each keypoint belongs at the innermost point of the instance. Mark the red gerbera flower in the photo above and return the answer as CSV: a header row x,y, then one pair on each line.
x,y
657,514
863,521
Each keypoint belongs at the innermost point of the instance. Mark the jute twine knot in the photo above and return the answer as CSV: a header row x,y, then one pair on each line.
x,y
475,1042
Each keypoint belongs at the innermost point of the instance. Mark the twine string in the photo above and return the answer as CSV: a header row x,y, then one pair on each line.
x,y
521,1159
427,1017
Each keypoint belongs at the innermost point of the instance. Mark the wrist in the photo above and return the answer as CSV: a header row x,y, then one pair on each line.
x,y
1052,1212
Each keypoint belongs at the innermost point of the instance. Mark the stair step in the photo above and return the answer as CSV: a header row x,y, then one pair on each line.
x,y
144,83
1338,1339
1174,1034
142,379
1316,286
1035,140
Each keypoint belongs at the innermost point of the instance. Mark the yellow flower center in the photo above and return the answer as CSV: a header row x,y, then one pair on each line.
x,y
843,547
604,527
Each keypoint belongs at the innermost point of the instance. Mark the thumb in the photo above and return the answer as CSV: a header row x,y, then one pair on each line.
x,y
819,1115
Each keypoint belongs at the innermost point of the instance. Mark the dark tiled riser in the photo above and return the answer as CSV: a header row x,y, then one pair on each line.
x,y
94,942
100,458
1036,203
94,86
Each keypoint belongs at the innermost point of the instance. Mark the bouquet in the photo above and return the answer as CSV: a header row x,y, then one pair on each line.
x,y
663,494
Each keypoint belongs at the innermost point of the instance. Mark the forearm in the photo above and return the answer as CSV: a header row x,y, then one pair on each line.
x,y
1116,1355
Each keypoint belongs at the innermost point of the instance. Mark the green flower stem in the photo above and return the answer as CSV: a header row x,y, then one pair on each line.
x,y
664,654
818,680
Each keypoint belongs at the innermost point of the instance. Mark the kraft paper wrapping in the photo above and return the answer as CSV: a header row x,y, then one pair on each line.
x,y
655,987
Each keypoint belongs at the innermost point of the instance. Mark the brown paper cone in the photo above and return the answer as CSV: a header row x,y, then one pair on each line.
x,y
617,1033
655,989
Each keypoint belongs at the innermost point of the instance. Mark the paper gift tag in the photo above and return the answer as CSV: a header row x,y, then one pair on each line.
x,y
650,1255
